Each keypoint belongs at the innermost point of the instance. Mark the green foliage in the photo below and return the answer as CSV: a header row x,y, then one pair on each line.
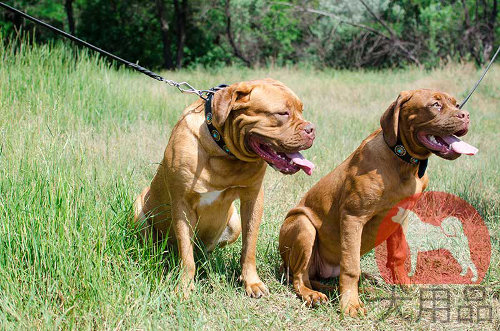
x,y
264,32
128,28
49,11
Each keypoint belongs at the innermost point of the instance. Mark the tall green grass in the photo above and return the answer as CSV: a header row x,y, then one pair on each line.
x,y
80,138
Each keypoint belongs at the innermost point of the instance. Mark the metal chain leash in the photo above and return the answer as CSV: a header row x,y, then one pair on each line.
x,y
480,79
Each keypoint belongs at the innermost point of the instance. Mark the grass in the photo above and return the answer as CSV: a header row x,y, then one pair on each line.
x,y
79,140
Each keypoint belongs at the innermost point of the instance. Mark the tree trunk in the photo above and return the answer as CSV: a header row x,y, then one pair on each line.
x,y
167,56
469,34
229,33
180,7
490,37
68,5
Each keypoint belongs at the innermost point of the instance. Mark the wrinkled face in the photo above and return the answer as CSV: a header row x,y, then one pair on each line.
x,y
431,122
265,121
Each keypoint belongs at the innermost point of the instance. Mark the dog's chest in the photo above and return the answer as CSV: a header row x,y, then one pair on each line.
x,y
209,198
215,197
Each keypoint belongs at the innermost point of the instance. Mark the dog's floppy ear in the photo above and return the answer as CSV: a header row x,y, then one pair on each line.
x,y
390,119
233,97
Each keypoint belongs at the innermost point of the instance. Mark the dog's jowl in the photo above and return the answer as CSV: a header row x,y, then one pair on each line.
x,y
217,153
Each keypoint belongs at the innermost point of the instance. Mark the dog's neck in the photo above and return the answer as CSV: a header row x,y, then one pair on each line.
x,y
224,147
401,151
214,133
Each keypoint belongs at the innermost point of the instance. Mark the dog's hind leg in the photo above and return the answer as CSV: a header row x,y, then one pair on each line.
x,y
232,230
142,220
296,244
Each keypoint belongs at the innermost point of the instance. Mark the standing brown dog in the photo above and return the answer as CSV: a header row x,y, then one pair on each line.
x,y
215,155
337,220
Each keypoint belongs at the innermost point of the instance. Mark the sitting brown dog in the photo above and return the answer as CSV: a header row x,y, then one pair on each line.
x,y
217,153
337,220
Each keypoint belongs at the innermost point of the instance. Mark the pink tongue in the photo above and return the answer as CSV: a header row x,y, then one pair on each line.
x,y
304,164
460,146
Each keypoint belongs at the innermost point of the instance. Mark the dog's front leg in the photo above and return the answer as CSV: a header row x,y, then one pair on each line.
x,y
351,228
184,222
251,216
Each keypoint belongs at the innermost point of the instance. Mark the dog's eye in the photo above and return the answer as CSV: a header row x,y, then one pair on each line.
x,y
283,113
437,105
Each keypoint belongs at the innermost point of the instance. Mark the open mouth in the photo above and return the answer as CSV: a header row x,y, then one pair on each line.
x,y
287,163
448,146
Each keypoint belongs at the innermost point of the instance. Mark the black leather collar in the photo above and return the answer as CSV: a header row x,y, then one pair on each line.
x,y
216,135
401,152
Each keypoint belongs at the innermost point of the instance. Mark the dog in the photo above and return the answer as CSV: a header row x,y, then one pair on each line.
x,y
217,153
337,220
424,237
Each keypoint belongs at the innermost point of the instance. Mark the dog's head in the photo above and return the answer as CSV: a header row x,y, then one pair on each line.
x,y
262,119
427,122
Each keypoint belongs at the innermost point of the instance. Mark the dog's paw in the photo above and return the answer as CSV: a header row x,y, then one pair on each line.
x,y
256,290
400,276
354,309
184,289
314,298
351,305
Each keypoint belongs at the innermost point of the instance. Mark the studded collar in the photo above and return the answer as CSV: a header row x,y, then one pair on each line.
x,y
400,151
216,135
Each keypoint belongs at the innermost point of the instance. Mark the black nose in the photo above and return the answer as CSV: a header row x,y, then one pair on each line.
x,y
463,114
309,129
